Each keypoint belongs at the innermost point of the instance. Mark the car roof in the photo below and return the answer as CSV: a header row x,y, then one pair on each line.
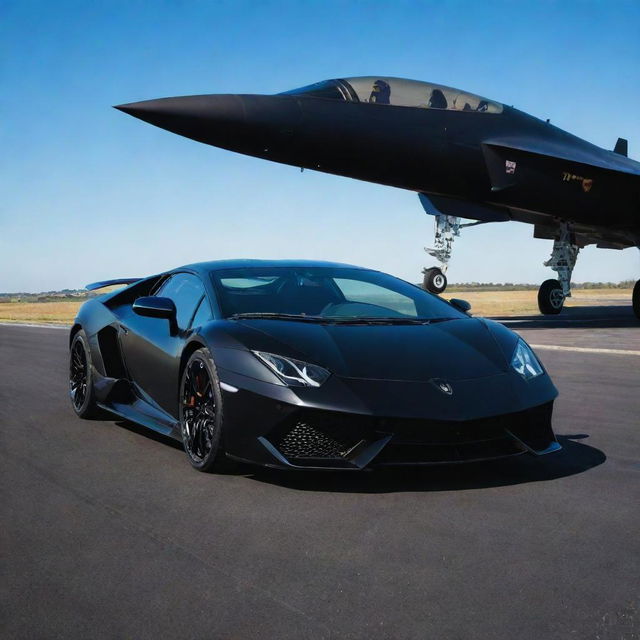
x,y
217,265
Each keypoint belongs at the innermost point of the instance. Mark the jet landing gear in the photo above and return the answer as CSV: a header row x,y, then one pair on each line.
x,y
447,228
553,293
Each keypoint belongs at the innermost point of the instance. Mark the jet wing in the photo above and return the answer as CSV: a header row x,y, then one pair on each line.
x,y
602,237
501,157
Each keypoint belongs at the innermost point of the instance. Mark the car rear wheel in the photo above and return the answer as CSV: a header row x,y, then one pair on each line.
x,y
80,379
636,299
201,414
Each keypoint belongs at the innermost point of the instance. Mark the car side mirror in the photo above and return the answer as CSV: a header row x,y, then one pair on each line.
x,y
462,305
157,307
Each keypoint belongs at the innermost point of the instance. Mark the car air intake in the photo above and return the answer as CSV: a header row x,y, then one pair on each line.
x,y
304,441
318,435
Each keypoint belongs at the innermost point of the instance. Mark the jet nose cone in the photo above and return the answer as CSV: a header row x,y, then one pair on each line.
x,y
203,118
262,126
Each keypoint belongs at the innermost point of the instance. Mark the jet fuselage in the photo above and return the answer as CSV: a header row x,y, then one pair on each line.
x,y
506,162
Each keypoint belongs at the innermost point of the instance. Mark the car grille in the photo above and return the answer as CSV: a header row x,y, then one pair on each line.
x,y
311,437
438,432
399,453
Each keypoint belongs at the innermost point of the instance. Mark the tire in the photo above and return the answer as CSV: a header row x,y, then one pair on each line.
x,y
434,280
81,391
201,414
550,297
636,299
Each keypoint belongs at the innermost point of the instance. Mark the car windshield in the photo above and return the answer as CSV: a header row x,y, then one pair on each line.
x,y
338,294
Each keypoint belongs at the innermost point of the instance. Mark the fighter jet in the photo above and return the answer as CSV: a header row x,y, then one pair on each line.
x,y
466,156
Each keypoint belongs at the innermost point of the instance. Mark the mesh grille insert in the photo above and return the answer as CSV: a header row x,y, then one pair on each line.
x,y
304,441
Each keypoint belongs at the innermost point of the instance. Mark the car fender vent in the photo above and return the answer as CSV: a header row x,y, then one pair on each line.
x,y
110,352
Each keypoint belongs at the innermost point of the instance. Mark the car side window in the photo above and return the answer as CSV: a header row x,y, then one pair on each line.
x,y
203,314
186,291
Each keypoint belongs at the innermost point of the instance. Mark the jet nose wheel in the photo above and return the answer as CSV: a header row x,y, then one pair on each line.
x,y
434,280
550,297
636,299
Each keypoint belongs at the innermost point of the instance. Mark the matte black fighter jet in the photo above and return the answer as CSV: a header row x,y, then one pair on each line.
x,y
466,156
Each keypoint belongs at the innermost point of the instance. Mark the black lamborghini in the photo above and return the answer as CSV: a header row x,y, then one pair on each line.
x,y
308,365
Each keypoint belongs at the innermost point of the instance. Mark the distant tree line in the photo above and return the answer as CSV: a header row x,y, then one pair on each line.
x,y
510,286
47,296
83,294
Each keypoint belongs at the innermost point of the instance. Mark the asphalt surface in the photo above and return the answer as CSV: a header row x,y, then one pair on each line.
x,y
107,532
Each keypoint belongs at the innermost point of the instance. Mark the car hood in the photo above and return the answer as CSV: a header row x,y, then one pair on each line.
x,y
459,349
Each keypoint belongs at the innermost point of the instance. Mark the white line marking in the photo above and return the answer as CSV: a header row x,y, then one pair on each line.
x,y
554,347
537,321
36,326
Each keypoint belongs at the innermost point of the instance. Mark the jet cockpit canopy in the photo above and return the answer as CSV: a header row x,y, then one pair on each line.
x,y
398,92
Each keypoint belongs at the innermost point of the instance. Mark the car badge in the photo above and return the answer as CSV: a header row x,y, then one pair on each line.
x,y
442,386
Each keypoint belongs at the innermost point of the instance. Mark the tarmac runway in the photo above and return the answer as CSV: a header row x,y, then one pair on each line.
x,y
107,532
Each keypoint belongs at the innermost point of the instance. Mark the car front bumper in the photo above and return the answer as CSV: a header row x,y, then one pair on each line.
x,y
339,428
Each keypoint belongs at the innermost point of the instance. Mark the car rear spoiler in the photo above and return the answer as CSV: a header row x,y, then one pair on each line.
x,y
109,283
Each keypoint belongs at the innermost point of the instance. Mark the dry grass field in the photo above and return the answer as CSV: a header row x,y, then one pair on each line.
x,y
515,303
483,303
40,312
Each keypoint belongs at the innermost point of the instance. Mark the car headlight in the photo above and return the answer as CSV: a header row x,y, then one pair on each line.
x,y
525,362
294,372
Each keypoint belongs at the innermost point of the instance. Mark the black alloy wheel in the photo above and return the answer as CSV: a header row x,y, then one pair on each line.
x,y
434,280
550,297
201,413
80,381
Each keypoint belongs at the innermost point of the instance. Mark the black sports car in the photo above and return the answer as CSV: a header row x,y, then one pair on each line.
x,y
299,364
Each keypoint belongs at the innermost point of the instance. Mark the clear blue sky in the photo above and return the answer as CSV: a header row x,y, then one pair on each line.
x,y
90,193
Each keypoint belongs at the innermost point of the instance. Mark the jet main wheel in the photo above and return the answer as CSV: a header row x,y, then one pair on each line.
x,y
636,299
550,297
434,280
81,390
201,413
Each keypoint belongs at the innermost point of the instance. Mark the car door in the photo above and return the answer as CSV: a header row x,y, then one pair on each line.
x,y
152,351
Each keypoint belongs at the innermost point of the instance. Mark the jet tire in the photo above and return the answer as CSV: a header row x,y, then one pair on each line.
x,y
434,280
550,297
636,299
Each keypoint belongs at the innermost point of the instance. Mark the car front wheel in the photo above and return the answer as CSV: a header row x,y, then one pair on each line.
x,y
201,414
